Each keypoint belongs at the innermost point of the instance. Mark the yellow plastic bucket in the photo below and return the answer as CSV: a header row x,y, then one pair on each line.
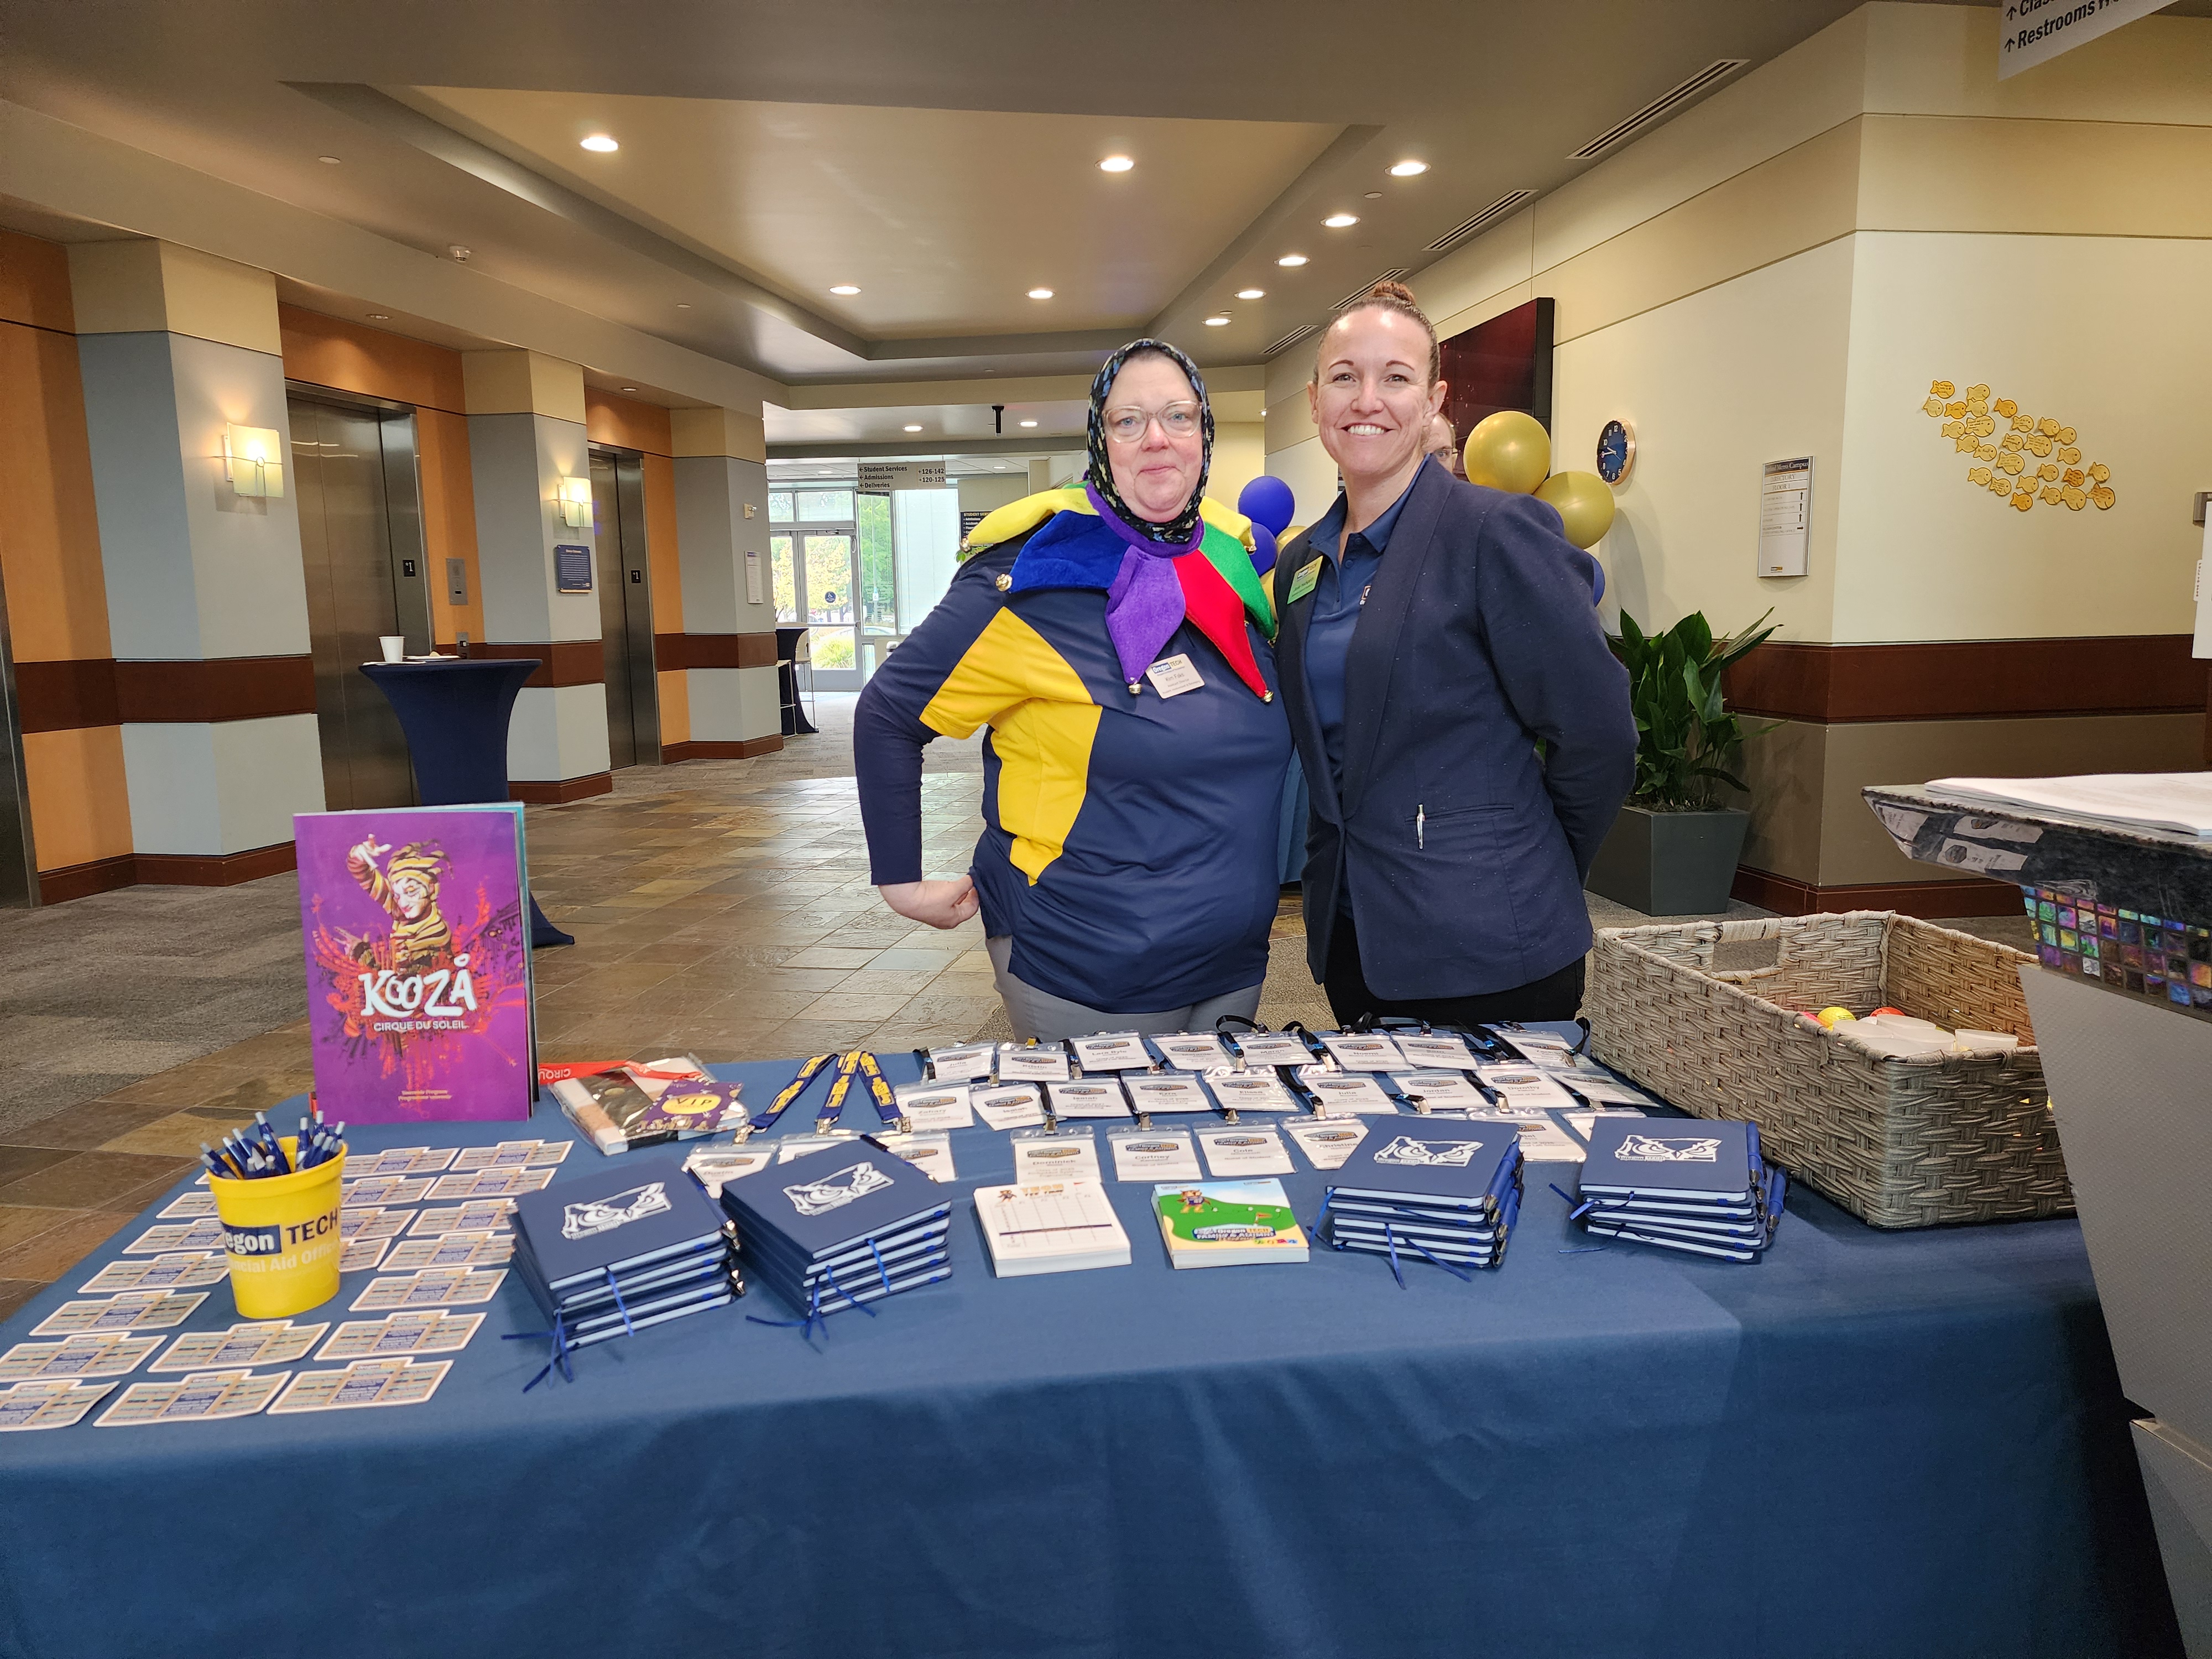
x,y
282,1236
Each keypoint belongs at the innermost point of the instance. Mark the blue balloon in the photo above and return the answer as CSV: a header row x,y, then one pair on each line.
x,y
1267,501
1263,548
1597,579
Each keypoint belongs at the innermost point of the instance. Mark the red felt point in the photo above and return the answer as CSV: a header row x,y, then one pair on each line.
x,y
1210,602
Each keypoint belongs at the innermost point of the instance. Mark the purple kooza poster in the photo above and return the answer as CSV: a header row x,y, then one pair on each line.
x,y
418,963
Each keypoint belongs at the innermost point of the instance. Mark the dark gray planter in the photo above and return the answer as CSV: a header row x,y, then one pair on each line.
x,y
1670,864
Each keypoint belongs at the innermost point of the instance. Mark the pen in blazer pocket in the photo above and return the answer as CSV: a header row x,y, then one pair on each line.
x,y
1420,828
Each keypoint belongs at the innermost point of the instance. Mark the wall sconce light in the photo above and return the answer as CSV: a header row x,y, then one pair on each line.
x,y
253,460
576,503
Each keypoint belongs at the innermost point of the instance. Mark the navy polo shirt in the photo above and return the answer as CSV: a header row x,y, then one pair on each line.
x,y
1337,596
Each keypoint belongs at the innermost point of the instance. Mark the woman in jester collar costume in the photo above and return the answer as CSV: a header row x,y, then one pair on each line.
x,y
1118,643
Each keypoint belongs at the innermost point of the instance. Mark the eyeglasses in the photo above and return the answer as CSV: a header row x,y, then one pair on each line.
x,y
1126,426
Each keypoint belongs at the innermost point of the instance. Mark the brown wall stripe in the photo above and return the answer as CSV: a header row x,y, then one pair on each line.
x,y
561,662
718,749
66,697
164,869
1969,679
60,696
673,651
559,791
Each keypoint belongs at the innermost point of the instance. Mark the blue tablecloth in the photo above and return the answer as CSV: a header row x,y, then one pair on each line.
x,y
1867,1445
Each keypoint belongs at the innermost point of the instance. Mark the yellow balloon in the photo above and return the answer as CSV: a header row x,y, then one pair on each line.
x,y
1508,450
1585,504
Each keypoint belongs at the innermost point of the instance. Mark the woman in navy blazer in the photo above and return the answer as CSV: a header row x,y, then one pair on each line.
x,y
1464,728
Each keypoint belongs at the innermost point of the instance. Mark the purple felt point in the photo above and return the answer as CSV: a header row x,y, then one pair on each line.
x,y
1144,605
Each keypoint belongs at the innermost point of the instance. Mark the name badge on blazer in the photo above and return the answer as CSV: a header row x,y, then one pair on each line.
x,y
1302,583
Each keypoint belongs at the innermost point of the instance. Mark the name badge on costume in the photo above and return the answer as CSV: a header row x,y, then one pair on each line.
x,y
1302,583
1173,676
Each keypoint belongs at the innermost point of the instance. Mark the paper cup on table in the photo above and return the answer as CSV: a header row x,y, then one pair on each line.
x,y
395,647
280,1234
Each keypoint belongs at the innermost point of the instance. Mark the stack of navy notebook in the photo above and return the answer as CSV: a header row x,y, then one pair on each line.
x,y
841,1227
1694,1184
1428,1188
624,1247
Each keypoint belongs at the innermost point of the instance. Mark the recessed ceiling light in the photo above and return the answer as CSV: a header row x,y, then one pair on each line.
x,y
600,144
844,288
1251,292
1409,169
328,161
1341,221
912,428
684,304
1374,195
1116,164
1040,294
629,388
1216,322
380,316
1291,260
1029,422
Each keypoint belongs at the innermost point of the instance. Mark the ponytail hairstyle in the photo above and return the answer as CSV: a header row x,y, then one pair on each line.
x,y
1386,296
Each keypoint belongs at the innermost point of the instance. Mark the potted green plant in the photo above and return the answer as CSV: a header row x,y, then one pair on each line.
x,y
1674,849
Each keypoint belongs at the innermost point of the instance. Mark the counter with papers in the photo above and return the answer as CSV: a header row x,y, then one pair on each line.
x,y
1864,1444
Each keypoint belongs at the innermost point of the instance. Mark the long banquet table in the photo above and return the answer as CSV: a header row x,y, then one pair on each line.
x,y
1865,1444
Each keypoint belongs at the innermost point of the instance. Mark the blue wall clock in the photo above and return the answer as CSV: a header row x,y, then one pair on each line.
x,y
1616,450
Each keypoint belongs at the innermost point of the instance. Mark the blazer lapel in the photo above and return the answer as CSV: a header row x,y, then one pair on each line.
x,y
1375,637
1293,618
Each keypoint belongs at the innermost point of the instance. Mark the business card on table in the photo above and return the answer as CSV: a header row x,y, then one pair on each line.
x,y
1542,1141
1153,1154
1112,1051
1327,1141
1600,1089
50,1403
373,1222
482,1215
935,1105
413,1330
140,1310
968,1062
1250,1091
431,1286
400,1161
1019,1062
372,1190
361,1254
1192,1053
101,1353
930,1153
178,1270
386,1382
1054,1155
1168,1093
1524,1085
1344,1092
1098,1097
200,1398
452,1250
490,1183
1370,1052
255,1342
1233,1150
1432,1092
712,1167
205,1234
188,1206
1011,1106
1441,1052
1270,1049
512,1155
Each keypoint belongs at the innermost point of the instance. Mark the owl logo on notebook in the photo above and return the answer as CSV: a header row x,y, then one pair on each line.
x,y
835,1191
594,1216
1429,1154
1659,1149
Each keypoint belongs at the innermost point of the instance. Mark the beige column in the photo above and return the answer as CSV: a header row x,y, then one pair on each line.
x,y
729,600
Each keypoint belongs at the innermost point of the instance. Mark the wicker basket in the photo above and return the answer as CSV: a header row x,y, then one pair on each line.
x,y
1716,1016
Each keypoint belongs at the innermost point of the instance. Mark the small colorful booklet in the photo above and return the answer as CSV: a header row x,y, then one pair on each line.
x,y
1225,1224
1050,1227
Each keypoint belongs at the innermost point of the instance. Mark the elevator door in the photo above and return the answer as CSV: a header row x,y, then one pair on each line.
x,y
348,470
624,580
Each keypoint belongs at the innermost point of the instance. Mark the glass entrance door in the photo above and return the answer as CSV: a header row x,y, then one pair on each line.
x,y
826,557
812,560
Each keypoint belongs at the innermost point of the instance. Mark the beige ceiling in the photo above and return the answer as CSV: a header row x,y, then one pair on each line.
x,y
943,218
